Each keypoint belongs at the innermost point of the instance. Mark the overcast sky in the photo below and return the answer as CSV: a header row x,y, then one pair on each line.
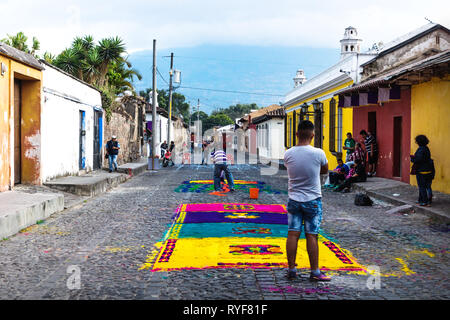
x,y
184,23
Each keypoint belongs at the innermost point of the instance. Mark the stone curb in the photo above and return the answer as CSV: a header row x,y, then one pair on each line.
x,y
428,211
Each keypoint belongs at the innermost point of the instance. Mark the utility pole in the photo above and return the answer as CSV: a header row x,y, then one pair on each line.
x,y
170,99
154,129
198,121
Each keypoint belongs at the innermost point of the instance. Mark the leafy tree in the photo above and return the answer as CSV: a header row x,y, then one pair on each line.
x,y
120,77
238,110
217,119
179,105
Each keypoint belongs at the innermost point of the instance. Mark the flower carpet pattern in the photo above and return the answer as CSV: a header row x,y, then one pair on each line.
x,y
207,186
218,235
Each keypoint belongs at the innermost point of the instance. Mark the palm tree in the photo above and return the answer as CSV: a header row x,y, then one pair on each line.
x,y
68,61
50,58
110,50
19,41
91,66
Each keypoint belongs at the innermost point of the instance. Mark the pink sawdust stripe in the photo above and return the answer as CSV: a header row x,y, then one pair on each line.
x,y
235,207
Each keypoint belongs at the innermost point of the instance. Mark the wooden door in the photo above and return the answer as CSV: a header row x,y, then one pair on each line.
x,y
17,132
397,150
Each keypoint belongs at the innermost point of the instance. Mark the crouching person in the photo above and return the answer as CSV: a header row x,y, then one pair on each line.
x,y
357,173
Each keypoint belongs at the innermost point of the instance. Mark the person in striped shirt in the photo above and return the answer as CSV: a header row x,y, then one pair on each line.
x,y
219,158
372,151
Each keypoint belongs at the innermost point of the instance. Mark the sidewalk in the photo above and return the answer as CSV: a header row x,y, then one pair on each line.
x,y
400,193
28,204
19,210
96,182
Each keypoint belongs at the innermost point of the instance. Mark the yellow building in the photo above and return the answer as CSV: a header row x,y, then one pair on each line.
x,y
430,116
410,84
313,100
20,116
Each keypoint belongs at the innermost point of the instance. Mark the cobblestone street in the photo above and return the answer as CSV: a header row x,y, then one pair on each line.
x,y
111,237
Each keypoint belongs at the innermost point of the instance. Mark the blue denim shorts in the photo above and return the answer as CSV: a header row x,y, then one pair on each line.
x,y
307,213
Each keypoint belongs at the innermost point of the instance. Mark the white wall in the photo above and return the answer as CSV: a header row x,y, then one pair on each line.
x,y
270,140
60,123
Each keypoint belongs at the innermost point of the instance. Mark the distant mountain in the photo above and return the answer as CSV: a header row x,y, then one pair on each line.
x,y
249,69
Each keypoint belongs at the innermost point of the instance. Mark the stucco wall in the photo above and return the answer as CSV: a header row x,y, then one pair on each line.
x,y
124,124
61,123
347,121
30,123
4,128
408,53
275,148
385,133
430,116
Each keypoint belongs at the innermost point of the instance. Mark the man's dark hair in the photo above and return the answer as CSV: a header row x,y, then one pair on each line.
x,y
422,140
349,133
339,160
305,128
363,132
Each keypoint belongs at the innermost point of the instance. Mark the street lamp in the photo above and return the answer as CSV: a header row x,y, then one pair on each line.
x,y
305,108
317,105
304,112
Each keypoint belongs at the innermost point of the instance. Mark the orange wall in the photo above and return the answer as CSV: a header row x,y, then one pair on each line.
x,y
31,119
4,128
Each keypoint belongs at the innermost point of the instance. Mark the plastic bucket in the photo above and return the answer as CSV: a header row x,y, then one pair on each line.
x,y
254,193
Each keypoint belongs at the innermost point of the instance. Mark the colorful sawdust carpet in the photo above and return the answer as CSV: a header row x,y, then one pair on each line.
x,y
207,186
221,235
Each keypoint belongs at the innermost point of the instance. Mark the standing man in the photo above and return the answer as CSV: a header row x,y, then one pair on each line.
x,y
370,143
164,147
305,164
112,150
219,158
349,145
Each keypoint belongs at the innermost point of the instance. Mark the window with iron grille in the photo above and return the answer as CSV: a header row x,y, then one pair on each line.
x,y
290,132
332,126
318,129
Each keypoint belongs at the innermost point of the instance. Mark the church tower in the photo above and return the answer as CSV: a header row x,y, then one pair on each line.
x,y
350,44
299,78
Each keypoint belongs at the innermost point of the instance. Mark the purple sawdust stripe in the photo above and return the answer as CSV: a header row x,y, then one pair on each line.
x,y
236,217
234,207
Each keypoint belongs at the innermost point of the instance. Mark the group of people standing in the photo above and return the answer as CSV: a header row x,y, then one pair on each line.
x,y
354,169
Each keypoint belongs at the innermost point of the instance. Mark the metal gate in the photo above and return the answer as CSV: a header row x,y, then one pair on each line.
x,y
82,154
98,132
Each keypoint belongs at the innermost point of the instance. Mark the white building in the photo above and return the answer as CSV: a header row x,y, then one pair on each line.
x,y
178,131
71,125
269,125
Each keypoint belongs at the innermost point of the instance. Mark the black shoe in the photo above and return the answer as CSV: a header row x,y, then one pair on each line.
x,y
291,275
110,171
231,190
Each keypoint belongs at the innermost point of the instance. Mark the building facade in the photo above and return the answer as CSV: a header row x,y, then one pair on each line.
x,y
20,118
404,92
71,126
314,100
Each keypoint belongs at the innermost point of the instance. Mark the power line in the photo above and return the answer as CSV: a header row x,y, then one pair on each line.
x,y
162,76
231,91
245,61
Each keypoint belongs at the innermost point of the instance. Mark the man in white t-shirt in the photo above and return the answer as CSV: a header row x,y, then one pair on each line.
x,y
304,165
